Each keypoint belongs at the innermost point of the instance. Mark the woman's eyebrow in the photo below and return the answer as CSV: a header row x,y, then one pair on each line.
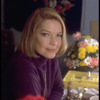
x,y
49,31
43,30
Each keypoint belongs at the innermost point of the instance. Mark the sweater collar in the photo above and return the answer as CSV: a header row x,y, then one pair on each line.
x,y
40,62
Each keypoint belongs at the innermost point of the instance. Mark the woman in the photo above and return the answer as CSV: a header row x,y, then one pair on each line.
x,y
34,69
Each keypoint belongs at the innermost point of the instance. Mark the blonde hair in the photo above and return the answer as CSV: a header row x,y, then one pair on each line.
x,y
26,43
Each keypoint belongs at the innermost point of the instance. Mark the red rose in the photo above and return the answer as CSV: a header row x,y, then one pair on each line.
x,y
67,6
58,8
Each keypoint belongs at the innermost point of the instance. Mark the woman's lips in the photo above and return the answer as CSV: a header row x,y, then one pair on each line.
x,y
51,50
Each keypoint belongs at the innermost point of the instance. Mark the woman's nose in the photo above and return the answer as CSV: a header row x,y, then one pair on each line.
x,y
53,41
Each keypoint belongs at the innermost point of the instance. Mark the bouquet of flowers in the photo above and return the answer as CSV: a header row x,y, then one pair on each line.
x,y
83,53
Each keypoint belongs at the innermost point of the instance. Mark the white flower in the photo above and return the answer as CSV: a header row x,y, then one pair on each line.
x,y
95,42
89,41
75,63
87,60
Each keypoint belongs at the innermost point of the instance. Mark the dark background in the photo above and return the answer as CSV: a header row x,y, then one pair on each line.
x,y
17,11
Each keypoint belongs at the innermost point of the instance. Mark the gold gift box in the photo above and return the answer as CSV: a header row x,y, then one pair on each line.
x,y
79,79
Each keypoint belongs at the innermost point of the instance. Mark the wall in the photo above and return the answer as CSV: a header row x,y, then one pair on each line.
x,y
90,12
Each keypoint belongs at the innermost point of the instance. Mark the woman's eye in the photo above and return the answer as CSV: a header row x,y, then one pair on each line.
x,y
45,34
59,35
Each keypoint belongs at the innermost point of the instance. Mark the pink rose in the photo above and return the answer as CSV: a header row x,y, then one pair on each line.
x,y
94,62
82,44
77,36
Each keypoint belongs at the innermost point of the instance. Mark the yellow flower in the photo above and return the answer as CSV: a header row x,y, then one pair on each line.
x,y
87,37
82,49
82,63
81,55
89,49
73,56
94,48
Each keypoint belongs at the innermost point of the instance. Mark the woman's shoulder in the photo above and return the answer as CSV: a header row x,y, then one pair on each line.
x,y
20,60
21,65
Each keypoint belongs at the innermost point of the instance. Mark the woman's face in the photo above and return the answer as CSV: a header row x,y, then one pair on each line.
x,y
48,38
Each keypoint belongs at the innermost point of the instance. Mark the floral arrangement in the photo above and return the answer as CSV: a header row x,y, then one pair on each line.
x,y
84,52
59,5
30,97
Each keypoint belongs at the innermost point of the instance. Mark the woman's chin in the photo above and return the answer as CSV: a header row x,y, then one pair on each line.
x,y
50,56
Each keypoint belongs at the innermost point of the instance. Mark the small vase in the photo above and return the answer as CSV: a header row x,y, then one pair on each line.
x,y
89,75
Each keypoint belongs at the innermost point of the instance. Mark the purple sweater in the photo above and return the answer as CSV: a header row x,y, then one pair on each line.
x,y
27,76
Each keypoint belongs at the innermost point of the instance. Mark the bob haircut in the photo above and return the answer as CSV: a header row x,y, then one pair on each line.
x,y
27,40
